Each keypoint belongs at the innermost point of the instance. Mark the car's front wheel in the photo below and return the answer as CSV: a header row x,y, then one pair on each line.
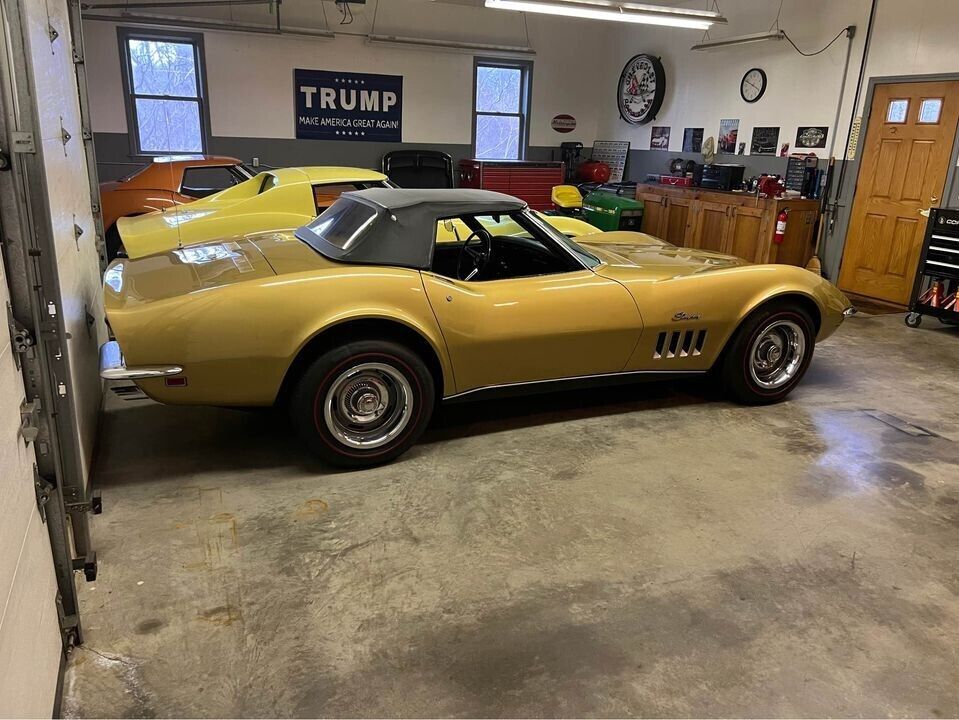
x,y
363,403
769,354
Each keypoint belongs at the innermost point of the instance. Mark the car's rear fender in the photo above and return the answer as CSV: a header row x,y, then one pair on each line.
x,y
378,327
714,304
237,343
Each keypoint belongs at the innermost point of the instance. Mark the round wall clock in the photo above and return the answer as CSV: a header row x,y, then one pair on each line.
x,y
753,85
642,87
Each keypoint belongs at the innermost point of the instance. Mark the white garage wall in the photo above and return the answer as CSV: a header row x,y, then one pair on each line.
x,y
250,76
917,37
703,87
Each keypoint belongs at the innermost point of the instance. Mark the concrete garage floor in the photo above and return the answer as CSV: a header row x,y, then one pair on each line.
x,y
645,551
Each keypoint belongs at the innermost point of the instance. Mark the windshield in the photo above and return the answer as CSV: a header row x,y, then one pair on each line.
x,y
342,225
588,259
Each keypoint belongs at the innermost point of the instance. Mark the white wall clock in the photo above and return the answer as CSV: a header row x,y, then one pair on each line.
x,y
753,85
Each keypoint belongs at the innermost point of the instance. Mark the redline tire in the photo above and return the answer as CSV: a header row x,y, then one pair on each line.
x,y
761,365
363,403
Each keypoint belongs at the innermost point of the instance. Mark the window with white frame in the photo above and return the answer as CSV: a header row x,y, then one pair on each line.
x,y
165,98
501,109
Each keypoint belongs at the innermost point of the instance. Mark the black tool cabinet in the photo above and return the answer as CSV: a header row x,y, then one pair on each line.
x,y
938,263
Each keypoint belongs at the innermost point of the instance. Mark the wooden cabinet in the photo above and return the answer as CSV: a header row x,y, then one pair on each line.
x,y
665,217
746,226
710,226
733,223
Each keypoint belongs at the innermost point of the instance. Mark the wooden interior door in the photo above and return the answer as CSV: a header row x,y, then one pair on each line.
x,y
905,160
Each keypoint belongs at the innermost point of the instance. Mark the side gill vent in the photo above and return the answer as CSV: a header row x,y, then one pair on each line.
x,y
684,343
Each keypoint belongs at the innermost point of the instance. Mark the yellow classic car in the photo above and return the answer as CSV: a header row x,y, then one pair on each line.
x,y
361,321
273,200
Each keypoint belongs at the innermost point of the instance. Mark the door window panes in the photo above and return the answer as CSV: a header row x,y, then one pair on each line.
x,y
898,111
929,111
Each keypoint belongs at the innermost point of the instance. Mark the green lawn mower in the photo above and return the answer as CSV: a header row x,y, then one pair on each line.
x,y
607,206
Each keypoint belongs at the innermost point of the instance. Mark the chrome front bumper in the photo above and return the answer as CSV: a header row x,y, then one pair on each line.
x,y
112,366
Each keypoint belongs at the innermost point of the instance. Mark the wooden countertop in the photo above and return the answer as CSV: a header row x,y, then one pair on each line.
x,y
743,199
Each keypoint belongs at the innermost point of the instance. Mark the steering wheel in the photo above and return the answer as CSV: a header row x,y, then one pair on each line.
x,y
474,256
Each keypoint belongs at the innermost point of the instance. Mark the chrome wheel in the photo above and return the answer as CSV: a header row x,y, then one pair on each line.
x,y
368,405
777,354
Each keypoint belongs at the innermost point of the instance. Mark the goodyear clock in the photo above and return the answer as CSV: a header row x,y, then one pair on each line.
x,y
642,87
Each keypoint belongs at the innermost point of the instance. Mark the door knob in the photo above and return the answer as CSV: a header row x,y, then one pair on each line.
x,y
933,200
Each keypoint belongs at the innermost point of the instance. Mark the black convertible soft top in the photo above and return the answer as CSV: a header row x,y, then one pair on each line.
x,y
393,226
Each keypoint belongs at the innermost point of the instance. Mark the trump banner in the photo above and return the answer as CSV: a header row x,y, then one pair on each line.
x,y
348,106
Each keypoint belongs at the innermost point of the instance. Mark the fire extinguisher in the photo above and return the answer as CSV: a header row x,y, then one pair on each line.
x,y
781,226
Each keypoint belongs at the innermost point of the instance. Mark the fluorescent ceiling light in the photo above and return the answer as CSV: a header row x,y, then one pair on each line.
x,y
738,40
615,12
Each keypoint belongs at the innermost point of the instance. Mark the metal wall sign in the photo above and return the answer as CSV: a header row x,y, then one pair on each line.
x,y
348,106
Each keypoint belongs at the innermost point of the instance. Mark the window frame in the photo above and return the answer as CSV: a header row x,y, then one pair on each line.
x,y
124,35
525,101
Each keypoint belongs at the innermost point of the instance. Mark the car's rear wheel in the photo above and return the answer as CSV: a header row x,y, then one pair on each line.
x,y
363,403
769,354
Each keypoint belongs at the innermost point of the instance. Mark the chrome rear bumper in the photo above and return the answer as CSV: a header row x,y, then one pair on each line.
x,y
849,311
112,366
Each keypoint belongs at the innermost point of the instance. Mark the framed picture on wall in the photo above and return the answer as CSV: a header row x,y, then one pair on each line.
x,y
659,140
693,140
811,137
765,141
728,135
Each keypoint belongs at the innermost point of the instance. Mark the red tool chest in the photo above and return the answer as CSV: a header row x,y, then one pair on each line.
x,y
528,180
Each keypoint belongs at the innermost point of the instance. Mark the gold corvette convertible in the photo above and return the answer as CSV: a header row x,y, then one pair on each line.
x,y
360,322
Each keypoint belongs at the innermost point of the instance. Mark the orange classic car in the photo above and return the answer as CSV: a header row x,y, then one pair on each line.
x,y
167,181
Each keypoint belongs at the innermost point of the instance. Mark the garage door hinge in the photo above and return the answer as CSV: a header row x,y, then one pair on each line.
x,y
43,489
30,420
23,142
75,501
20,338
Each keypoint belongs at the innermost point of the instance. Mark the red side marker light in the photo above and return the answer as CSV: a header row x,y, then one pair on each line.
x,y
175,382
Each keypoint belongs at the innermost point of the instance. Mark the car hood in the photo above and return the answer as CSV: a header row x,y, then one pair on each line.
x,y
656,261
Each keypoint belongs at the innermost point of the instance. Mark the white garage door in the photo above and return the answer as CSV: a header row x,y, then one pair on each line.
x,y
52,278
